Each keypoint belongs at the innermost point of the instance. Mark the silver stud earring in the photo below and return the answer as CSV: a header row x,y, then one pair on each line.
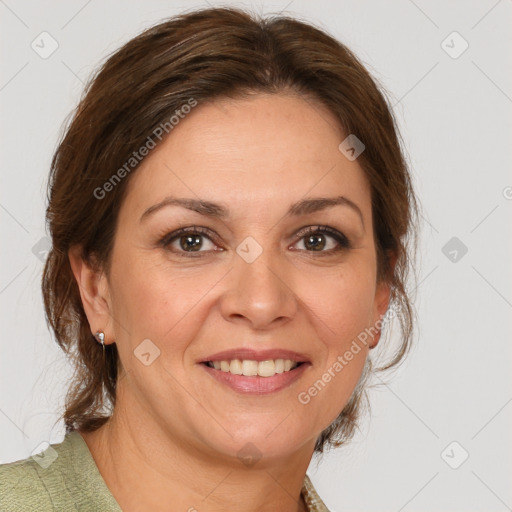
x,y
100,336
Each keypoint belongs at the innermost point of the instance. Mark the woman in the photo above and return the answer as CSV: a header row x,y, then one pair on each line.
x,y
229,210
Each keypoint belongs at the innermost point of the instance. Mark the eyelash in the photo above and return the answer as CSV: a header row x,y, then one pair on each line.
x,y
343,241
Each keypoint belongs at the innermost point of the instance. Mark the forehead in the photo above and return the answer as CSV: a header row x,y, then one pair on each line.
x,y
264,152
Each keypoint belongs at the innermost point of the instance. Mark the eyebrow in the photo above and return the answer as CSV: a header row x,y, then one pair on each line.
x,y
210,209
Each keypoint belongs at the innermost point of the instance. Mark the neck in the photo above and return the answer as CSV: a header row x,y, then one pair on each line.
x,y
154,472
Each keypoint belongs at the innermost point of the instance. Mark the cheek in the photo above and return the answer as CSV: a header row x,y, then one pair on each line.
x,y
331,384
155,301
142,296
341,303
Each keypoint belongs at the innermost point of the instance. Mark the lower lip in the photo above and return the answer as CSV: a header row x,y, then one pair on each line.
x,y
257,385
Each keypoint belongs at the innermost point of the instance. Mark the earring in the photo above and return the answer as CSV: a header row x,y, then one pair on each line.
x,y
100,336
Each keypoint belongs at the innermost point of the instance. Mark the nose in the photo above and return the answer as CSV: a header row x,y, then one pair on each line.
x,y
260,294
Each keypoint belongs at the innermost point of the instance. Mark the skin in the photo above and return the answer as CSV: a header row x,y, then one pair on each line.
x,y
175,431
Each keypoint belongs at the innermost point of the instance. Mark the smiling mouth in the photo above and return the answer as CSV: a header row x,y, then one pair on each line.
x,y
251,368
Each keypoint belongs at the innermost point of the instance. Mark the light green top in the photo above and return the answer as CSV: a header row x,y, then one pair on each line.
x,y
65,478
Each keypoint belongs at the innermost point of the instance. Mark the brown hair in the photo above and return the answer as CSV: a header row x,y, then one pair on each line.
x,y
203,55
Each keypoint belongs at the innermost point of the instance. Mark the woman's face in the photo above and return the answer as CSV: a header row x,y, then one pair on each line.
x,y
249,280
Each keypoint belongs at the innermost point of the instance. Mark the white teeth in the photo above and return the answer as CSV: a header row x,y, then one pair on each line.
x,y
279,364
266,368
250,368
235,367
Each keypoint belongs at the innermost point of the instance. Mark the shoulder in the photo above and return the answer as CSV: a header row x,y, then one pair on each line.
x,y
45,481
22,487
63,478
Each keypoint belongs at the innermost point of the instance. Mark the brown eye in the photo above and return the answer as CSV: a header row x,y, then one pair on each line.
x,y
316,239
192,242
315,242
187,241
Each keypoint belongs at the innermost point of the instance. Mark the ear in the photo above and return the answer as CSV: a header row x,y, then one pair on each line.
x,y
94,292
382,299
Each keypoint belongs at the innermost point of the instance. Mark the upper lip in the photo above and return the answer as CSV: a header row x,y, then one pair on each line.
x,y
256,355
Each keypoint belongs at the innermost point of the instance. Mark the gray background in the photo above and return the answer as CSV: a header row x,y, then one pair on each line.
x,y
454,114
